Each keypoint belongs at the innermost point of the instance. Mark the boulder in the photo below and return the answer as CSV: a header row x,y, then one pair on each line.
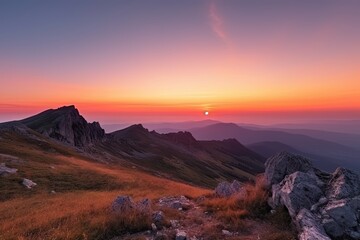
x,y
321,205
282,164
175,202
226,189
344,184
298,190
28,183
6,170
122,203
308,226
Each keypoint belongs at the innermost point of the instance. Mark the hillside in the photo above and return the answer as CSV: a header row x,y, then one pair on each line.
x,y
316,147
176,156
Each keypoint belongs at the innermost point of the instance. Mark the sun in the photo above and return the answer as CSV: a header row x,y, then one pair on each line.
x,y
206,113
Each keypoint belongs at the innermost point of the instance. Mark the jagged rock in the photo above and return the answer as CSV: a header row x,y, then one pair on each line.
x,y
144,205
308,226
342,213
6,170
28,183
180,235
226,189
344,184
320,204
175,202
332,228
282,164
123,203
298,190
66,125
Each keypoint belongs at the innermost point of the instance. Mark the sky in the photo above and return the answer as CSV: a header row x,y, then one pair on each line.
x,y
168,60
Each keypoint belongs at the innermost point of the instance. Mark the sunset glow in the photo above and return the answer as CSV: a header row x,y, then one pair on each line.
x,y
121,63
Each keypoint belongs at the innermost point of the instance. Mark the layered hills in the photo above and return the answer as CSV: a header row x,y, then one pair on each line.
x,y
175,155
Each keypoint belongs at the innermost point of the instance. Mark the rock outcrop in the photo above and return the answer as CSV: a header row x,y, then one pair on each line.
x,y
6,170
66,125
282,164
226,189
322,206
28,183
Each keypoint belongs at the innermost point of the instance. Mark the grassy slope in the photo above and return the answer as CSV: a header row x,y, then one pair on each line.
x,y
85,190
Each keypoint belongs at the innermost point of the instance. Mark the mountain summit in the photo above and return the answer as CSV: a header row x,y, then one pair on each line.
x,y
67,125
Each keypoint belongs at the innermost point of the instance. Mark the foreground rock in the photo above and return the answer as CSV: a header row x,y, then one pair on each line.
x,y
122,204
226,189
180,203
282,164
28,183
320,208
309,227
6,170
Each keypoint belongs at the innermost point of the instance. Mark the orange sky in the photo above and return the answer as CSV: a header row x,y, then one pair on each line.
x,y
155,67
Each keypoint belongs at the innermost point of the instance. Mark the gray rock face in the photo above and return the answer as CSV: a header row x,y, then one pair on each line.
x,y
282,164
122,204
320,206
309,227
67,125
344,184
226,189
175,202
6,170
332,228
297,191
28,183
342,213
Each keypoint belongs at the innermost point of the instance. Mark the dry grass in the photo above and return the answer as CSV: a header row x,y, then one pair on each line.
x,y
82,214
252,201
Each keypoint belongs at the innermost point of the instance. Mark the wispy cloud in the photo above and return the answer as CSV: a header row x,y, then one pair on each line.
x,y
217,23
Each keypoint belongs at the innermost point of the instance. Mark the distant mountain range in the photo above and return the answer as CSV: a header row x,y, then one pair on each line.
x,y
176,155
326,154
201,153
328,149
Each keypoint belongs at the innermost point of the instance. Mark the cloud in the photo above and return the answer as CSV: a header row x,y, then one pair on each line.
x,y
217,23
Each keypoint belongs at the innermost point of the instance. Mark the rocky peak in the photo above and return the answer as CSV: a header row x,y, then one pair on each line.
x,y
67,125
183,137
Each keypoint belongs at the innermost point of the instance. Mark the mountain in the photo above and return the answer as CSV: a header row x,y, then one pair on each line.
x,y
165,127
348,139
174,155
181,156
268,149
341,126
66,125
318,147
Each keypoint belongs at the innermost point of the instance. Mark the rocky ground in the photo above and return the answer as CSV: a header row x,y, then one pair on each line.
x,y
320,205
192,222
